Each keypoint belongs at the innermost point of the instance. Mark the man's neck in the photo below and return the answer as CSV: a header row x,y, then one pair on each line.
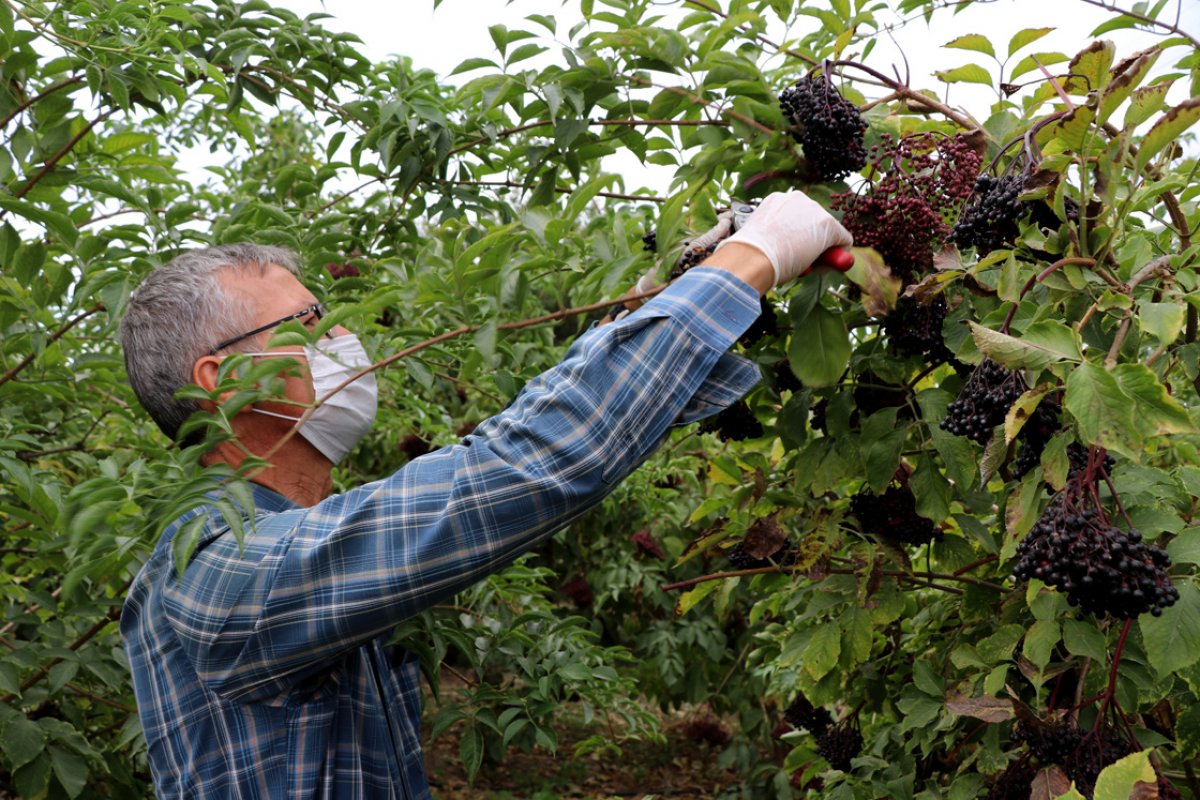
x,y
298,477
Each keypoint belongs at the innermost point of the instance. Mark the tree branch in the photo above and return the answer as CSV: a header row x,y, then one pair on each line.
x,y
1175,29
53,161
113,614
54,337
649,198
49,90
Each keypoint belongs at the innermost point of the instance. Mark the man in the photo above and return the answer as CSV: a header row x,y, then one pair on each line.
x,y
264,671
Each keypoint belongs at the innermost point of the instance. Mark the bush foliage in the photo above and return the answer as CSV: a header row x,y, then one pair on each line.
x,y
857,556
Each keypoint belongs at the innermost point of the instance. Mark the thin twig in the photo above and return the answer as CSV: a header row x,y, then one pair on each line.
x,y
1148,20
541,123
49,90
562,190
54,337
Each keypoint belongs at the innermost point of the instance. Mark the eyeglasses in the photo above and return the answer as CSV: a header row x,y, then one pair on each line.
x,y
316,309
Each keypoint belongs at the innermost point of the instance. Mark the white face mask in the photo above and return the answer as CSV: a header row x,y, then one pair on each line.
x,y
346,417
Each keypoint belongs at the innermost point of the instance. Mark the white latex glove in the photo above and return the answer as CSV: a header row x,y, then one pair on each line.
x,y
705,240
792,230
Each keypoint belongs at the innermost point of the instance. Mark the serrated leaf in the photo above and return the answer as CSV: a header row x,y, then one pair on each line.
x,y
1145,102
1044,343
823,650
22,740
1026,37
1155,411
1103,413
1117,780
1076,128
470,750
689,599
967,73
1127,76
1082,639
1020,411
1185,548
1040,641
1173,639
1168,129
1032,62
931,489
819,348
973,41
1089,68
1163,321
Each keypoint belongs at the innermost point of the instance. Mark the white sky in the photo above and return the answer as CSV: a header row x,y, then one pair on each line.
x,y
458,29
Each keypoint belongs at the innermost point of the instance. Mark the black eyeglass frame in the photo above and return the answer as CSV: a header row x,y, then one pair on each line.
x,y
317,309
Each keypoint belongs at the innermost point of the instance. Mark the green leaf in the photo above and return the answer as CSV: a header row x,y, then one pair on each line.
x,y
1073,794
473,64
1117,781
823,650
1000,645
973,41
1168,129
1128,76
1026,37
688,600
1043,343
1081,638
1173,639
1089,68
883,441
70,769
1145,102
1163,321
819,348
1030,63
470,750
22,740
931,489
1185,548
1040,641
967,73
1155,411
1103,413
858,634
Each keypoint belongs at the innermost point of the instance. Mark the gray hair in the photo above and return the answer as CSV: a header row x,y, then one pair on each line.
x,y
178,313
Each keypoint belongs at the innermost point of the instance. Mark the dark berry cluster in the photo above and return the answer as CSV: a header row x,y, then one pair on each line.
x,y
650,241
1095,751
872,394
691,257
827,125
802,714
766,324
1015,783
913,328
989,220
740,557
1051,743
983,402
839,744
735,424
1078,457
918,183
579,590
1103,570
893,515
785,378
1037,432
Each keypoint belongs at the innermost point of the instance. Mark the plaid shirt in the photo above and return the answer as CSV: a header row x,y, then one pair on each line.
x,y
264,672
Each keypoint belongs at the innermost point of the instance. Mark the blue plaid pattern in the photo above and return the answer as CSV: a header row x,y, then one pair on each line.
x,y
264,672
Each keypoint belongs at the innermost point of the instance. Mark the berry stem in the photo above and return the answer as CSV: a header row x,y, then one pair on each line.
x,y
1111,691
1041,276
909,94
976,564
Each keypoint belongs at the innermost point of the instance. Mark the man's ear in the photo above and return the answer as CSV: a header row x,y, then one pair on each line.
x,y
205,374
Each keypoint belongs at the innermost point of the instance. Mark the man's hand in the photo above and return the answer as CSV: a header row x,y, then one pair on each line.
x,y
792,231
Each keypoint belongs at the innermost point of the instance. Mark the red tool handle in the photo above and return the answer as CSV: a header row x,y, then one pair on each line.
x,y
839,258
